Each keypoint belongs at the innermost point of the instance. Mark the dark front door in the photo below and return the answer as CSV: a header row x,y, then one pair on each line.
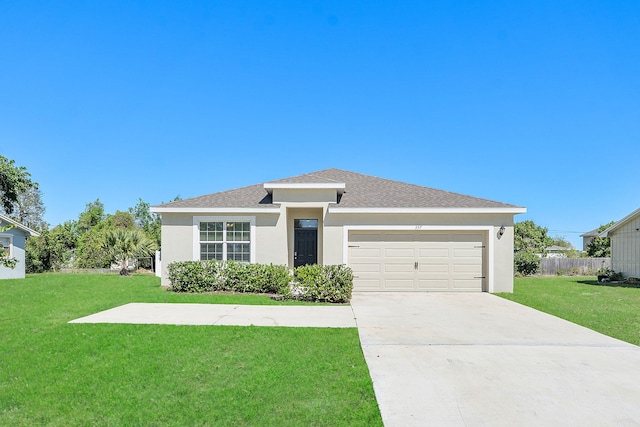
x,y
305,246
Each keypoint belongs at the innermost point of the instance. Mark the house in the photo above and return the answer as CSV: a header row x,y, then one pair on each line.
x,y
556,251
13,238
625,244
588,237
395,236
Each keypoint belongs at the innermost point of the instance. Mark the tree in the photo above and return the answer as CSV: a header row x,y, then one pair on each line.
x,y
14,180
150,222
53,249
29,209
92,216
124,244
600,247
529,244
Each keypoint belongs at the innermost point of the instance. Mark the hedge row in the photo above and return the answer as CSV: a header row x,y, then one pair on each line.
x,y
330,283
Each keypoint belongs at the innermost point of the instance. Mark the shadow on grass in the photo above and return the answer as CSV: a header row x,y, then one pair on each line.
x,y
610,284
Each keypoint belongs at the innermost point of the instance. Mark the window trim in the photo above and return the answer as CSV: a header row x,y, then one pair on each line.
x,y
252,233
10,237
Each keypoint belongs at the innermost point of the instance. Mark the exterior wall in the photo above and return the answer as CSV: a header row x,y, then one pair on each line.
x,y
273,237
625,248
19,241
178,239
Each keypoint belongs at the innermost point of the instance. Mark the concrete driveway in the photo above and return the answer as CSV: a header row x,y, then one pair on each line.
x,y
475,359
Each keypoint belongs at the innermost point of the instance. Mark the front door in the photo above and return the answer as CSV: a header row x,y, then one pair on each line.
x,y
305,242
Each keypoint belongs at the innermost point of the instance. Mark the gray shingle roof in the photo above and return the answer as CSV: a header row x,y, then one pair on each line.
x,y
361,191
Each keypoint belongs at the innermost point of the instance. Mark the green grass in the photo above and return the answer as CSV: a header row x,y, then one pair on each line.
x,y
58,374
611,309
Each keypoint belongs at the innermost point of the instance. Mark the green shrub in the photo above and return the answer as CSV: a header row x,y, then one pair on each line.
x,y
527,262
194,276
616,277
208,276
323,283
330,283
254,278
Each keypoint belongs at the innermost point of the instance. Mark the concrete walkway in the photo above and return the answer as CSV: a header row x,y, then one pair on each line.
x,y
476,359
226,314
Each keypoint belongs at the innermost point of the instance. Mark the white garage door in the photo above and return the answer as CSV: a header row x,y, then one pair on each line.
x,y
416,261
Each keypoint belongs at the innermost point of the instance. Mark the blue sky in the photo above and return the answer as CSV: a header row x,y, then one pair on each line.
x,y
531,103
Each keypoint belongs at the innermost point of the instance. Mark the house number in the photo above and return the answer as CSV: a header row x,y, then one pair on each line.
x,y
418,227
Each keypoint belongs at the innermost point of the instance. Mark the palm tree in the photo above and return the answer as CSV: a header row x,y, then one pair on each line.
x,y
123,244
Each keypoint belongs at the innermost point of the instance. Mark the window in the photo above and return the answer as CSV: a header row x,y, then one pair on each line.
x,y
225,240
5,246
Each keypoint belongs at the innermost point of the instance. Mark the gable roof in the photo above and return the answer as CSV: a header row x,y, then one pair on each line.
x,y
592,233
16,224
620,223
362,193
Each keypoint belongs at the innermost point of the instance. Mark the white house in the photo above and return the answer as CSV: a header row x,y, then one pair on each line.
x,y
625,244
13,237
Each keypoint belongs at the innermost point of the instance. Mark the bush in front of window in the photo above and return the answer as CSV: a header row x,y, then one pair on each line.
x,y
322,283
209,276
194,276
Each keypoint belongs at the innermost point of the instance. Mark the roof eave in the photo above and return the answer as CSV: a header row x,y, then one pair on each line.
x,y
161,210
620,223
509,210
19,226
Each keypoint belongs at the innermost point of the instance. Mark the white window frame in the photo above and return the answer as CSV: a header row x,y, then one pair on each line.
x,y
10,237
224,219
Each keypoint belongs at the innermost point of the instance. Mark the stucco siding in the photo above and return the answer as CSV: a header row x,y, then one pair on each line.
x,y
625,248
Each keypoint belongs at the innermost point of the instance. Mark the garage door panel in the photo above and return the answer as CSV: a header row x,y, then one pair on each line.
x,y
365,252
433,252
400,284
433,268
433,284
467,269
399,253
366,267
399,267
429,261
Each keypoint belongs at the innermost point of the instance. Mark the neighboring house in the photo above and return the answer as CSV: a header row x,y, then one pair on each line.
x,y
12,242
395,236
556,251
625,244
588,237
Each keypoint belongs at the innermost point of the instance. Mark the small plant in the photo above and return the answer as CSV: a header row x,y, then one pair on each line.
x,y
616,277
560,273
8,262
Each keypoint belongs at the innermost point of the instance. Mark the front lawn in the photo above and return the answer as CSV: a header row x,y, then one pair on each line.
x,y
612,309
59,374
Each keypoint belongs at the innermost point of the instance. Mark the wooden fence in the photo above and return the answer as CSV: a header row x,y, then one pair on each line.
x,y
572,266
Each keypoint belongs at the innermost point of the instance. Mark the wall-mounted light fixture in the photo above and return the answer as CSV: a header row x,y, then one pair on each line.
x,y
501,231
